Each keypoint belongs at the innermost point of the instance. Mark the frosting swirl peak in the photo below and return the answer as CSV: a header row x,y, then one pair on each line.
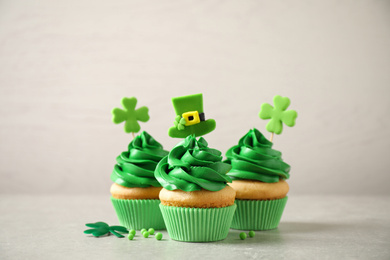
x,y
135,167
253,158
191,166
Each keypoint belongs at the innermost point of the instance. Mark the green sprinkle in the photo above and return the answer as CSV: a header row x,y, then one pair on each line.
x,y
251,233
130,236
132,231
242,235
143,230
151,231
158,236
145,234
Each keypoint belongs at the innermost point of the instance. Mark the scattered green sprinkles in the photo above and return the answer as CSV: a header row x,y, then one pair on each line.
x,y
243,235
143,230
251,233
145,234
151,231
130,236
158,236
132,231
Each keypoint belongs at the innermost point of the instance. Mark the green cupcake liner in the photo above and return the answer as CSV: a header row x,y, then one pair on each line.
x,y
138,214
198,224
258,214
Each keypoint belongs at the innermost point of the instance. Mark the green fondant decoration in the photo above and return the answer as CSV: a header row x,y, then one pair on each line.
x,y
278,114
130,115
179,123
186,104
100,228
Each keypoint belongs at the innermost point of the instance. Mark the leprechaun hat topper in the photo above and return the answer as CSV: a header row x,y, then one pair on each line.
x,y
190,117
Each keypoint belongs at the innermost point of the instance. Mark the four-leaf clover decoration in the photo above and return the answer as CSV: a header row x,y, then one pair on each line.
x,y
179,122
130,115
100,228
278,114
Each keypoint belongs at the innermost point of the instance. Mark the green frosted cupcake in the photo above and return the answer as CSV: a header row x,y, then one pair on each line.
x,y
258,175
135,190
196,202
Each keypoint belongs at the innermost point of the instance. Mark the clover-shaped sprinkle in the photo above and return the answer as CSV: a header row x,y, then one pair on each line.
x,y
278,114
130,115
100,228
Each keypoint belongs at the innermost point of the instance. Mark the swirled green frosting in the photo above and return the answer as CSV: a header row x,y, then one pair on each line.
x,y
254,159
135,167
191,166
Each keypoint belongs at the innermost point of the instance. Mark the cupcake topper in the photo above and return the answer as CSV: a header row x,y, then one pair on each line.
x,y
278,115
130,115
190,118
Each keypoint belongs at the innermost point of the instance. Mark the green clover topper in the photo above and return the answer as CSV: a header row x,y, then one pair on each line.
x,y
180,122
130,115
278,115
100,228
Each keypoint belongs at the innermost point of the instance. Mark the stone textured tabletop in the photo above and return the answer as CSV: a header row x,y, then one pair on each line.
x,y
312,227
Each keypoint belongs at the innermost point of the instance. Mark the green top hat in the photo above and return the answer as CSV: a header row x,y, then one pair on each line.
x,y
190,118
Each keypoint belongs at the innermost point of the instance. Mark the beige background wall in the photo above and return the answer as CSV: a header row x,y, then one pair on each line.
x,y
65,64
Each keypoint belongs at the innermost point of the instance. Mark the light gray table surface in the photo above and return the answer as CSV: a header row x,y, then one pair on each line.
x,y
312,227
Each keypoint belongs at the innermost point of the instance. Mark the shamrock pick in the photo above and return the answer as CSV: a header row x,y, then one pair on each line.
x,y
100,228
278,115
130,115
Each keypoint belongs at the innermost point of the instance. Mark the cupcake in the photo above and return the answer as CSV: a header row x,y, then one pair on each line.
x,y
135,190
258,173
196,203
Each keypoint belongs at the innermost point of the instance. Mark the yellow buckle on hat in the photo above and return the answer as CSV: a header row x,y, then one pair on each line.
x,y
191,117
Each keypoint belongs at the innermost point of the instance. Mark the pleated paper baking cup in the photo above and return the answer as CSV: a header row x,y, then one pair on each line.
x,y
197,224
258,214
138,214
